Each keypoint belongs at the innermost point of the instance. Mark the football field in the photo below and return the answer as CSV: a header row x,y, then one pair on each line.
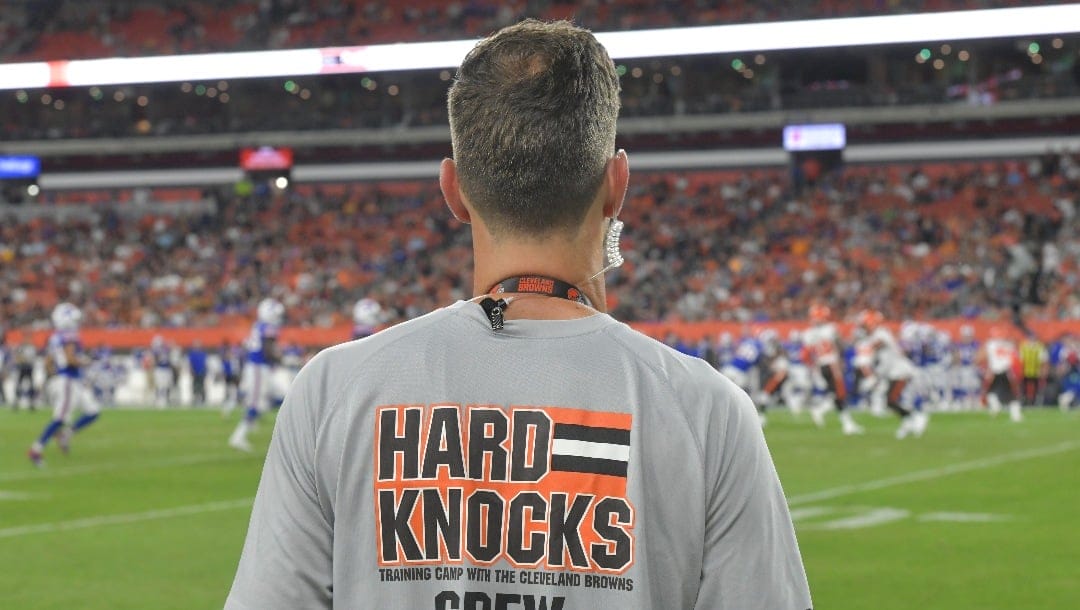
x,y
150,508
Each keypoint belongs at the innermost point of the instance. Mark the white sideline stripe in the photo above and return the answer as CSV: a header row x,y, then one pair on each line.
x,y
964,517
808,512
32,473
150,515
14,495
585,449
878,516
934,473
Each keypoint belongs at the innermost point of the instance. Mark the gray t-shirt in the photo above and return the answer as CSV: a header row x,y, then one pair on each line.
x,y
571,464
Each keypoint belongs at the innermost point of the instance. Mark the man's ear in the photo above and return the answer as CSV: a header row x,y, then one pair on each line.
x,y
448,182
616,178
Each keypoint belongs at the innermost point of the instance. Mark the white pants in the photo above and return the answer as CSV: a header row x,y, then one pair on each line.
x,y
797,388
66,394
259,386
163,379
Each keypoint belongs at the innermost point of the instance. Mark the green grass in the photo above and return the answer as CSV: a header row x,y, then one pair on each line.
x,y
69,537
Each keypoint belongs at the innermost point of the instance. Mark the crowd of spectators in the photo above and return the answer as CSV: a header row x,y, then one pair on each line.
x,y
925,241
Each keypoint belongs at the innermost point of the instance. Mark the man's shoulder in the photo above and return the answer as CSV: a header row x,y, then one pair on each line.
x,y
417,329
682,372
416,334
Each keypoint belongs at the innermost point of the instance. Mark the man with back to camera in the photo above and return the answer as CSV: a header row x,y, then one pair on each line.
x,y
522,449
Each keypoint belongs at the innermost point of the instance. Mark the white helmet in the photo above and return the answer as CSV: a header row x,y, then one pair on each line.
x,y
157,342
271,311
909,332
66,316
366,312
769,336
967,332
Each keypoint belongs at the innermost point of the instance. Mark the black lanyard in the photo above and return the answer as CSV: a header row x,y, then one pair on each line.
x,y
529,284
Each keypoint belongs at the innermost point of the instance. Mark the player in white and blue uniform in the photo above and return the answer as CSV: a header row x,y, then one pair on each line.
x,y
797,386
65,389
367,315
743,368
232,363
161,354
256,382
26,391
1068,372
725,350
5,359
938,363
965,374
105,376
292,360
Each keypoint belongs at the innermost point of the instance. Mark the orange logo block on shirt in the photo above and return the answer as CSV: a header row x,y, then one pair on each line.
x,y
537,487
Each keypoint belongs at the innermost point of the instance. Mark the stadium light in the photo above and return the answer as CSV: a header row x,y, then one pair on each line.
x,y
773,36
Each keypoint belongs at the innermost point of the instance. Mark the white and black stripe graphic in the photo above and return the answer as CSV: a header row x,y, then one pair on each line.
x,y
590,450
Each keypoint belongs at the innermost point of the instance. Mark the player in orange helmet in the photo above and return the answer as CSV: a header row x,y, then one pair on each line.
x,y
889,362
824,358
1000,384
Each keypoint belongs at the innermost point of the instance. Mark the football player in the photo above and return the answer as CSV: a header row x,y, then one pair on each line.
x,y
367,315
26,391
744,366
256,381
797,386
965,376
163,375
231,367
895,370
824,357
777,368
65,390
1001,381
1069,375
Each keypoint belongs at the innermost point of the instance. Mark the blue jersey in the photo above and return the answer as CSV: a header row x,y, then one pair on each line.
x,y
747,354
794,352
56,351
931,353
230,362
293,357
197,361
359,331
262,333
967,352
724,354
160,354
1057,352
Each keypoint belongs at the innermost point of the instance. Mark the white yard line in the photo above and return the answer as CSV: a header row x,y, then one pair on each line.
x,y
934,473
877,516
32,473
15,495
964,517
150,515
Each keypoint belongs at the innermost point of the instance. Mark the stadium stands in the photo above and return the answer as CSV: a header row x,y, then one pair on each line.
x,y
922,241
930,240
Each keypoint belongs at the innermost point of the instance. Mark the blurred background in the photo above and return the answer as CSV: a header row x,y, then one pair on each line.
x,y
923,165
